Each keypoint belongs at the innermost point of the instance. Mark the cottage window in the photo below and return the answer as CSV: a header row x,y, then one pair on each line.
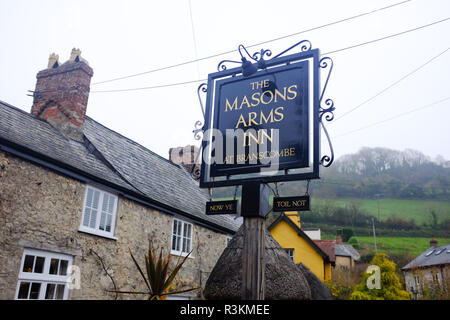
x,y
43,276
290,252
181,238
99,213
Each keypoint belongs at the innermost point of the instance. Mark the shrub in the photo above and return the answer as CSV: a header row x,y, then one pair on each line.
x,y
157,278
354,242
391,287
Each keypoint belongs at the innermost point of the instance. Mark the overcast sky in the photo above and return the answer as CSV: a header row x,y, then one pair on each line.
x,y
121,38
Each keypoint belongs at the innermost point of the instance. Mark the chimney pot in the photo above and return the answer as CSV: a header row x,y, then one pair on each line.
x,y
339,239
184,156
53,61
61,94
433,242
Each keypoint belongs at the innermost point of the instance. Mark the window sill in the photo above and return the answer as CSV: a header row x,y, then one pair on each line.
x,y
97,233
181,254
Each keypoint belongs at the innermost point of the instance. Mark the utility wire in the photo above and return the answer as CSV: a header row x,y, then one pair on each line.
x,y
390,86
352,184
194,40
390,36
151,87
394,117
339,50
253,45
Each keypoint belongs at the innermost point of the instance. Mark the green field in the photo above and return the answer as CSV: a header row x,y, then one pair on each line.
x,y
410,209
397,245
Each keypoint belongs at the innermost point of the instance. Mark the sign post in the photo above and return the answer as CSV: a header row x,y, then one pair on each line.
x,y
262,125
255,206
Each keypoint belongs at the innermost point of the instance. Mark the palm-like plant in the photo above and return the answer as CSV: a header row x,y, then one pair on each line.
x,y
157,279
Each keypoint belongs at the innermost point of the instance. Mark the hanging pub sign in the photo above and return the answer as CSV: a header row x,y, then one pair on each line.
x,y
221,207
262,120
300,203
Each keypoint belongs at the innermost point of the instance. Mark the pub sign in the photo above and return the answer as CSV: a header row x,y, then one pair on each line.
x,y
263,126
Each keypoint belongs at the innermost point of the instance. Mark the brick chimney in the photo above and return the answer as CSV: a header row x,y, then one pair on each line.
x,y
294,217
433,242
339,239
61,94
184,156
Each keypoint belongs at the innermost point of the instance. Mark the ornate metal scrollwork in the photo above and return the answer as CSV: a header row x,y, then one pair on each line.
x,y
198,131
199,124
221,66
258,57
305,45
326,109
261,54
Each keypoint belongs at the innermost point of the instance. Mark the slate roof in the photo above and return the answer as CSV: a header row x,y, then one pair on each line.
x,y
327,246
433,256
346,250
113,160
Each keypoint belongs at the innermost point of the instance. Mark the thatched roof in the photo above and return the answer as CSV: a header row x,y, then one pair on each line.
x,y
284,280
319,291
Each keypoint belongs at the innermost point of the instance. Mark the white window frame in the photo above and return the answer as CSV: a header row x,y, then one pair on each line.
x,y
45,277
96,230
291,253
184,225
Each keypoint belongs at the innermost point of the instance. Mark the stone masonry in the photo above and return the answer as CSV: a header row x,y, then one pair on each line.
x,y
42,209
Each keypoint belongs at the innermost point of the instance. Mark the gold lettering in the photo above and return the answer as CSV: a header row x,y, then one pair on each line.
x,y
264,94
244,100
259,84
251,118
294,92
254,98
278,93
241,119
279,113
250,136
269,117
264,133
228,106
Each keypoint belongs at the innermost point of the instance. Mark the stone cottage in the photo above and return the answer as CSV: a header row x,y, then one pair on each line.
x,y
75,196
430,271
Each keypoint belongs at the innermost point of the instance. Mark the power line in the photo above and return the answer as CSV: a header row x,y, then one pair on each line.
x,y
151,87
363,184
391,85
339,50
253,45
394,117
390,36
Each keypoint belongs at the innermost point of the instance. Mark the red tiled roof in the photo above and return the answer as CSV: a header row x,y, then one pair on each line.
x,y
327,246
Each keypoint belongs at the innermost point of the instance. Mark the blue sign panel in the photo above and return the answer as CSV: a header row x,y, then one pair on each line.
x,y
263,125
274,104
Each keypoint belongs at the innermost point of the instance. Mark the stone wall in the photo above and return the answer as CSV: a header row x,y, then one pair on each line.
x,y
42,209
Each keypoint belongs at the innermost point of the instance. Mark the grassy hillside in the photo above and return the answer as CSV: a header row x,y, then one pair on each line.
x,y
399,245
411,209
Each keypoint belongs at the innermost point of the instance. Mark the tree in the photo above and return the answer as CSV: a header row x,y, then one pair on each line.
x,y
433,219
347,233
390,285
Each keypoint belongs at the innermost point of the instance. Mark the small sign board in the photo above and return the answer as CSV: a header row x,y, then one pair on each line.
x,y
221,207
301,203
